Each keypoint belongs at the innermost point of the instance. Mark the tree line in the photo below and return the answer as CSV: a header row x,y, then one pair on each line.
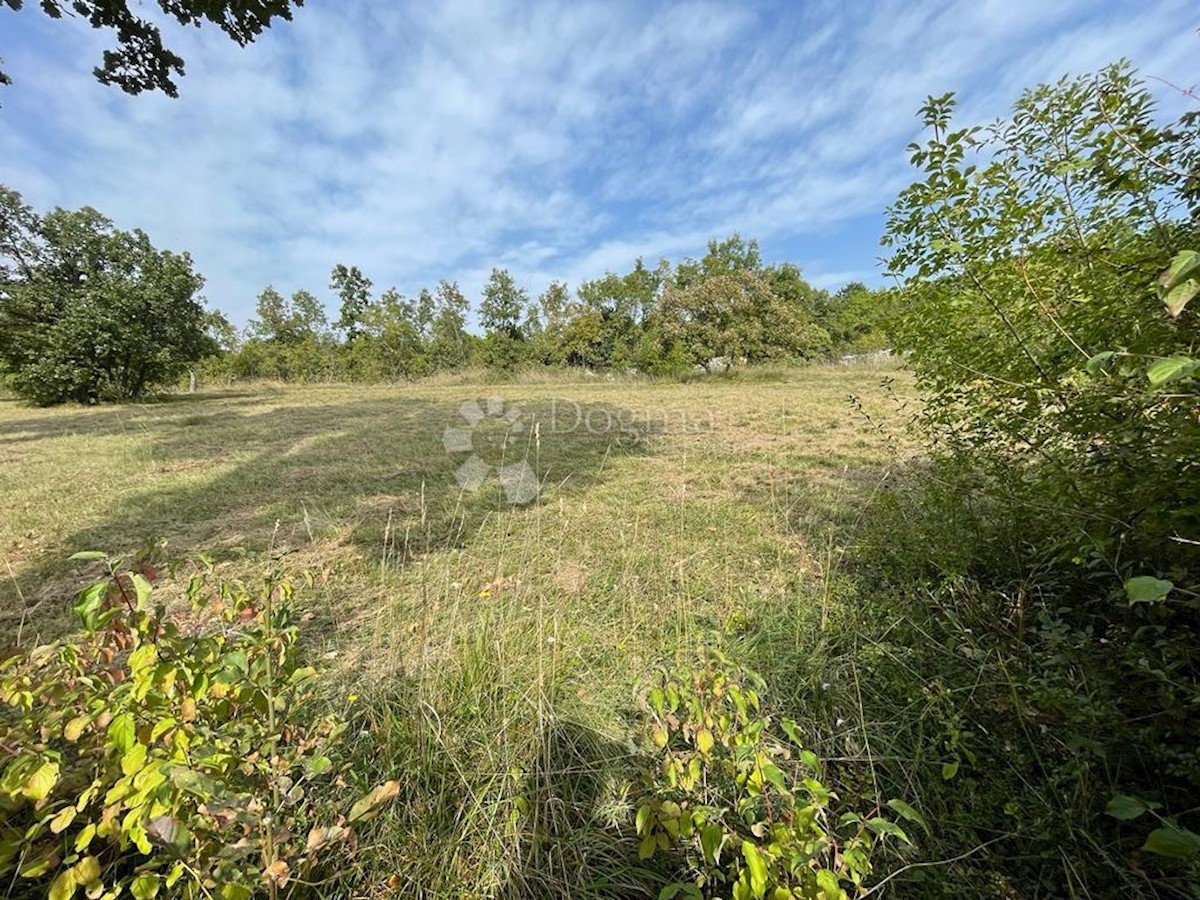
x,y
91,313
725,309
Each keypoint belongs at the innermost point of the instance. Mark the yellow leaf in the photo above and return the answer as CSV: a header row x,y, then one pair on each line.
x,y
39,784
704,741
75,727
59,823
87,869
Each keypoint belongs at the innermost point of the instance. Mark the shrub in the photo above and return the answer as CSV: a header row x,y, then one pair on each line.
x,y
735,793
157,753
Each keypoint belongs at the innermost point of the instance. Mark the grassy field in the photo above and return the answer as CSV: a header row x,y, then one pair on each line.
x,y
495,651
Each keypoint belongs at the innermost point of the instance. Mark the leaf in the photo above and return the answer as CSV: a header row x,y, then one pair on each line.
x,y
141,587
704,741
122,732
642,820
827,881
84,838
369,805
757,867
319,837
1182,265
1170,369
41,782
87,870
792,730
908,812
1177,843
711,838
1147,589
646,846
679,887
1125,808
144,887
1096,363
62,820
63,887
881,826
73,729
1179,297
142,658
88,605
88,555
949,770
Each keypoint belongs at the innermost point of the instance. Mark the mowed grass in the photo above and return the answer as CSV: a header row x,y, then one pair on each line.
x,y
495,652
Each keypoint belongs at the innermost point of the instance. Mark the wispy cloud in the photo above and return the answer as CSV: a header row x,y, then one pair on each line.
x,y
422,141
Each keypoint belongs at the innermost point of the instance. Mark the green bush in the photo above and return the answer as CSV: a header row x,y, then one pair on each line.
x,y
183,753
736,795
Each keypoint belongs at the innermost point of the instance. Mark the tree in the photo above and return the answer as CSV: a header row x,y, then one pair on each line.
x,y
500,313
725,257
503,304
1031,252
354,289
89,312
140,61
451,343
736,316
286,322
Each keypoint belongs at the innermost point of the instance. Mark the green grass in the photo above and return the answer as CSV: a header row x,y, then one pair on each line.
x,y
496,653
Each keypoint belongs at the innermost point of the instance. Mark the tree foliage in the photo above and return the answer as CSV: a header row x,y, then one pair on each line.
x,y
89,312
1032,250
140,61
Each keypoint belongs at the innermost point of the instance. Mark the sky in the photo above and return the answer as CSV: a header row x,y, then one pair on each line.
x,y
560,140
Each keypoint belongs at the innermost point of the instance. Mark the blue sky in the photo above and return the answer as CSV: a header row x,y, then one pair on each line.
x,y
560,139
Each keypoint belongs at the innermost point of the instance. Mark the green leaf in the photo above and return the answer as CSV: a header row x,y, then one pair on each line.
x,y
1170,369
84,838
122,732
62,820
908,812
1182,265
1125,808
88,605
63,887
792,730
144,887
1147,589
74,728
677,888
133,759
1177,843
1096,363
827,881
142,587
711,838
1179,297
646,847
949,770
642,820
880,826
143,657
757,867
87,870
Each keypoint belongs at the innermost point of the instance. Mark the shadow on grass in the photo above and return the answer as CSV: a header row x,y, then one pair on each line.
x,y
388,478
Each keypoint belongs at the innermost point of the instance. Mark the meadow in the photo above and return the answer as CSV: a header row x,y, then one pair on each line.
x,y
489,653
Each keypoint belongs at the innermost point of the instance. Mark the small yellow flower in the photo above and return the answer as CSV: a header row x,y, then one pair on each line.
x,y
352,698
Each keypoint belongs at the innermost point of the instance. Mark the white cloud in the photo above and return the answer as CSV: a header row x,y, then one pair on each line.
x,y
421,141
